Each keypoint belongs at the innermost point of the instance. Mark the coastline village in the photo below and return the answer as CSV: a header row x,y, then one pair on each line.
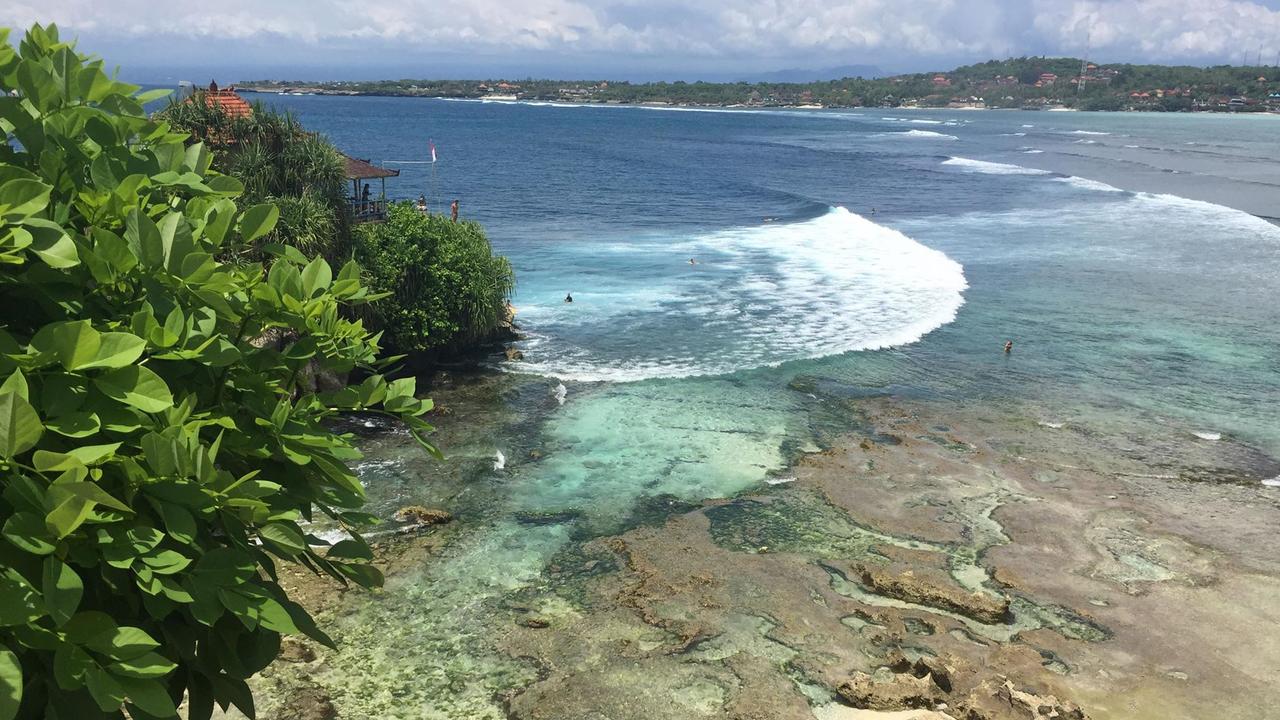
x,y
1024,83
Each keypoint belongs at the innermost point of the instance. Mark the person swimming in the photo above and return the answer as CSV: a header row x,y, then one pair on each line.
x,y
1008,346
568,298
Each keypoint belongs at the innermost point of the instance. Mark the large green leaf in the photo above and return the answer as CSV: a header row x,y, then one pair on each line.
x,y
148,665
10,684
284,537
86,455
23,197
19,601
20,427
53,245
258,221
28,532
137,386
75,344
62,589
16,383
116,350
121,643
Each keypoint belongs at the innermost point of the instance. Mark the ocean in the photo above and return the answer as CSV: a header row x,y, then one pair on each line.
x,y
737,274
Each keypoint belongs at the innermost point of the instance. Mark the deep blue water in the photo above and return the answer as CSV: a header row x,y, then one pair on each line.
x,y
1151,302
845,252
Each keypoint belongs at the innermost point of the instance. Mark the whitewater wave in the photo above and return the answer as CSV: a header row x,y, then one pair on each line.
x,y
919,134
991,168
1087,184
759,296
1087,132
1032,151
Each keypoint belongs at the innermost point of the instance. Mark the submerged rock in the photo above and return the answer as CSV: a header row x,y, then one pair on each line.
x,y
513,354
295,652
419,515
308,703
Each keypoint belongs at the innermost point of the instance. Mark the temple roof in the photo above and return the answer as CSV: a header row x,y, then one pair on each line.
x,y
230,102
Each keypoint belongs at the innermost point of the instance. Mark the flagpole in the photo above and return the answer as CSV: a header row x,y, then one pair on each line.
x,y
435,190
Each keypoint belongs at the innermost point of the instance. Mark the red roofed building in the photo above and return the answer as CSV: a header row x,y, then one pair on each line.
x,y
230,102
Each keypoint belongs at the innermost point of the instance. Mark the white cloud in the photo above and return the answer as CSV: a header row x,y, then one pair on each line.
x,y
834,30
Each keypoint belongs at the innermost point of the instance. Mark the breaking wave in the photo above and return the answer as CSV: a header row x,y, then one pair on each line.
x,y
918,134
991,168
758,296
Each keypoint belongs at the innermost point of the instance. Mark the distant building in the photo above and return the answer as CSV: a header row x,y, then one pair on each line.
x,y
1046,79
941,81
228,100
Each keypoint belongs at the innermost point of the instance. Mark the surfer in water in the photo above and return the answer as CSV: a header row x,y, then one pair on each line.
x,y
568,297
692,261
1008,346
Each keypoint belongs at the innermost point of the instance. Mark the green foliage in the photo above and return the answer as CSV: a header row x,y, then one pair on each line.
x,y
159,454
446,287
279,162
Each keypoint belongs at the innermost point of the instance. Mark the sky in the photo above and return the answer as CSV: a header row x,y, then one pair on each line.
x,y
636,39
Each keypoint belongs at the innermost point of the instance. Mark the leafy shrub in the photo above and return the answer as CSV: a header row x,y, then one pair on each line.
x,y
277,161
445,286
159,453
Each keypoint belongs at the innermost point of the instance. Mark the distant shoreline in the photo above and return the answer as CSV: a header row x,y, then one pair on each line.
x,y
502,100
1029,83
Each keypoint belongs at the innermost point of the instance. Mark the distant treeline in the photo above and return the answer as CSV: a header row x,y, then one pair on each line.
x,y
1013,83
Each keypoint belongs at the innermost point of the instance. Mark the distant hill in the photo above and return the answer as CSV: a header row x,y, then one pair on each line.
x,y
1025,82
799,75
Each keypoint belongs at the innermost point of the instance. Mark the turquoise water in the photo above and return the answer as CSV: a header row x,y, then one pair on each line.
x,y
836,255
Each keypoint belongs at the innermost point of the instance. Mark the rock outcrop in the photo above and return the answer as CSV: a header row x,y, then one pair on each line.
x,y
951,685
909,587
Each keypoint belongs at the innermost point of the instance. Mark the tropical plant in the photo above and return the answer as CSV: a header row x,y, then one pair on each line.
x,y
160,450
278,161
446,289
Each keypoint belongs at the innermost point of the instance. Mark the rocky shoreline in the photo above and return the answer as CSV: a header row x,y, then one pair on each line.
x,y
942,562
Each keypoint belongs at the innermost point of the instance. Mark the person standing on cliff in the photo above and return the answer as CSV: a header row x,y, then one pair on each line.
x,y
453,210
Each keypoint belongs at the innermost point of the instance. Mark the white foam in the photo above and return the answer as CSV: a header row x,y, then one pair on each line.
x,y
1207,435
560,393
779,480
1087,184
1050,425
1272,482
1086,142
991,168
1032,151
837,283
921,134
1087,132
1028,126
499,460
926,122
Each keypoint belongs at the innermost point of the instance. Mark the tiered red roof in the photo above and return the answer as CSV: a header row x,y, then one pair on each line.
x,y
230,102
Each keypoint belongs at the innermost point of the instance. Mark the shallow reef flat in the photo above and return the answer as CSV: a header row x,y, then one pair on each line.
x,y
939,562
